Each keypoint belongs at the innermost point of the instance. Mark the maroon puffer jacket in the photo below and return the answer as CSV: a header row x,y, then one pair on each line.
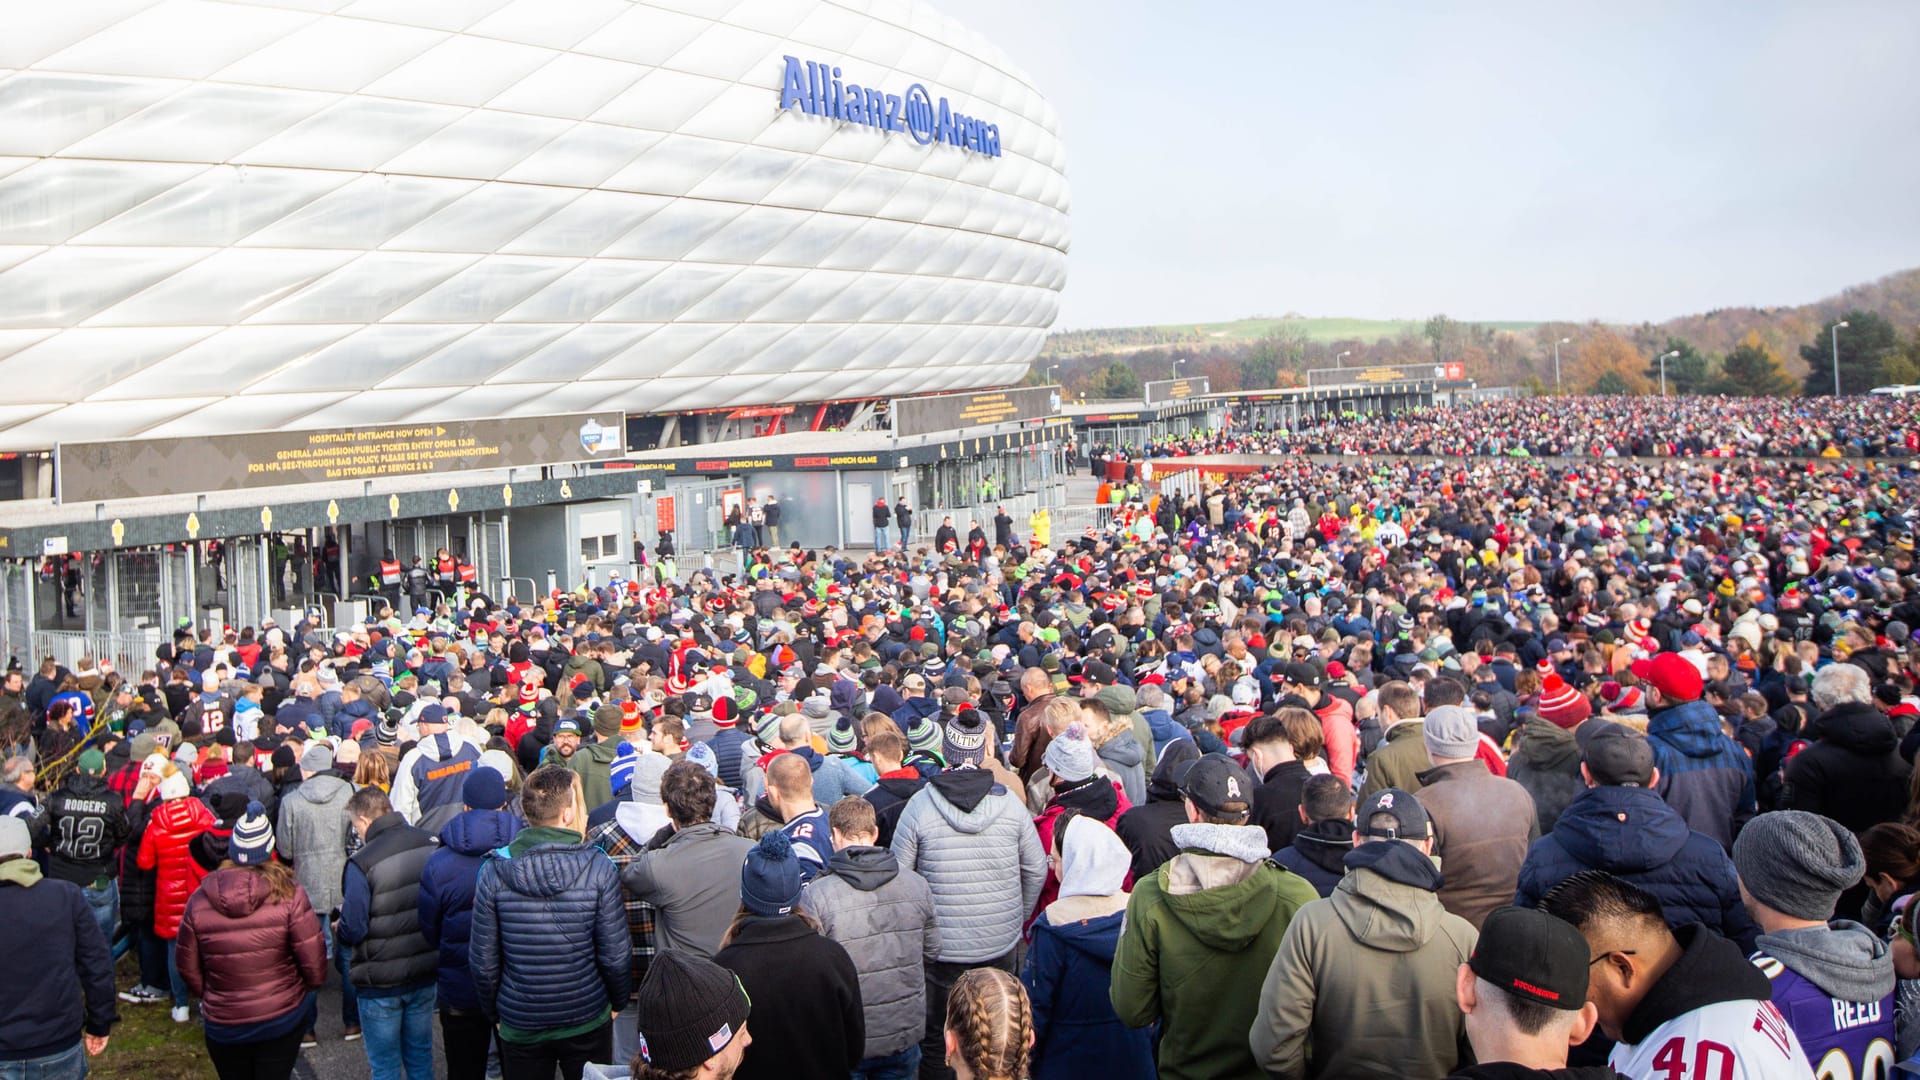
x,y
249,960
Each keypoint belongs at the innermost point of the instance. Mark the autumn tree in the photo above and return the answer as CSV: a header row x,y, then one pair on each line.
x,y
1752,370
1864,343
1605,353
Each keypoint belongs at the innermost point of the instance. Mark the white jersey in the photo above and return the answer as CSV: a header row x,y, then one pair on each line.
x,y
1730,1040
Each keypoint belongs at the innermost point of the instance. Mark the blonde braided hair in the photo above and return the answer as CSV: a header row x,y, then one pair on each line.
x,y
991,1019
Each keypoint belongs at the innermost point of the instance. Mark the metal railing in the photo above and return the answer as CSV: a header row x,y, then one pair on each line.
x,y
130,651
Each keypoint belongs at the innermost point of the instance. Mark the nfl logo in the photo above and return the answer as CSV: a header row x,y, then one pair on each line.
x,y
593,437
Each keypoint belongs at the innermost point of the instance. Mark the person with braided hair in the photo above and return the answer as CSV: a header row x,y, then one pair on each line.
x,y
989,1028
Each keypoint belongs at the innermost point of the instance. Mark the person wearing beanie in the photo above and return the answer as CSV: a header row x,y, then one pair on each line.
x,y
312,837
808,1023
82,826
1077,789
166,849
594,760
729,739
446,914
843,748
925,742
973,841
1482,823
1832,979
1619,824
1546,754
58,1009
250,945
1669,997
1704,773
692,1016
549,951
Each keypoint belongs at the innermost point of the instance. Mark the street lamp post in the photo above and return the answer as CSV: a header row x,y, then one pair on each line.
x,y
1556,361
1177,361
1664,357
1340,357
1836,356
1050,370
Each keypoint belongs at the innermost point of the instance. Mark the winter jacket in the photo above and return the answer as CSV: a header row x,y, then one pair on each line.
x,y
245,778
165,849
974,844
1165,732
1068,974
251,960
1097,797
313,834
1482,826
1123,756
624,836
1853,774
1318,853
46,1006
87,849
889,798
1710,993
434,774
445,903
380,909
726,744
594,763
1835,985
1123,705
883,917
1703,773
693,882
1399,761
549,946
1633,834
1148,830
1381,945
1198,936
1546,761
807,1021
1276,803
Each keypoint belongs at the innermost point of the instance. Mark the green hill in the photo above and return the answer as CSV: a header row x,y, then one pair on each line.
x,y
1069,343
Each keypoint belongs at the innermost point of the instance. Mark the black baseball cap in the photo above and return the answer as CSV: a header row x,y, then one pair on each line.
x,y
1303,674
1218,785
1534,956
1410,818
1100,674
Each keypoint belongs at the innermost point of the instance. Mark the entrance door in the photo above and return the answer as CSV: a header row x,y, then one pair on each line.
x,y
859,515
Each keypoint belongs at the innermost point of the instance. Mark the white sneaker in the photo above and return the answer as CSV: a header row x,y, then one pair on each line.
x,y
180,1014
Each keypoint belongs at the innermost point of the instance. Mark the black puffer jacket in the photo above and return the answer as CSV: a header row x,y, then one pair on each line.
x,y
1853,774
550,947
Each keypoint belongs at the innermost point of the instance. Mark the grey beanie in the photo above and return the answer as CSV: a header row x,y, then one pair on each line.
x,y
1798,863
1451,732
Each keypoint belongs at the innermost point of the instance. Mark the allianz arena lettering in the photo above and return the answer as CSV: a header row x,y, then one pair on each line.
x,y
818,90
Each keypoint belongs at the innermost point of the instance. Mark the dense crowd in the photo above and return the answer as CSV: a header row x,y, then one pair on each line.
x,y
1476,766
1597,427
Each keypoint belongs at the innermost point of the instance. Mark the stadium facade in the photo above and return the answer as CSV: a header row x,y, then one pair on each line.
x,y
220,217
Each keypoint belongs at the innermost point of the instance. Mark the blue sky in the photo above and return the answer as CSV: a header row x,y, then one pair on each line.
x,y
1622,161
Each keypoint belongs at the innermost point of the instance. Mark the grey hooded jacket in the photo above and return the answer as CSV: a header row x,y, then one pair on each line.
x,y
312,835
883,916
976,846
693,883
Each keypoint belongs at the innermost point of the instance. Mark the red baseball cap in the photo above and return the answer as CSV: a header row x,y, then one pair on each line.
x,y
1672,674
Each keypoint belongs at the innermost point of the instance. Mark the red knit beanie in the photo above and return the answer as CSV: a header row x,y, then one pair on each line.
x,y
1562,705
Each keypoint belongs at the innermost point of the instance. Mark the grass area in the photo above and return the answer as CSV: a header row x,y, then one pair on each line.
x,y
147,1044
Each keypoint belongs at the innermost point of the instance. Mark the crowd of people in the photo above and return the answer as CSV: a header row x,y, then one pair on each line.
x,y
1475,767
1596,427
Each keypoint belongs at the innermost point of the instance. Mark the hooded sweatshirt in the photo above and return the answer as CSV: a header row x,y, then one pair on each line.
x,y
1123,704
1703,774
883,917
1068,970
974,843
1199,935
1318,853
1834,984
1381,945
1710,994
1148,830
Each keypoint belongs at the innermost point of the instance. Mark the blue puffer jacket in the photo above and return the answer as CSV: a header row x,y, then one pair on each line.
x,y
550,947
1068,974
1633,834
1703,774
446,895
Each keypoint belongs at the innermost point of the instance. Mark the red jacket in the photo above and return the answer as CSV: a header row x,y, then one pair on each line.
x,y
1044,825
249,959
164,848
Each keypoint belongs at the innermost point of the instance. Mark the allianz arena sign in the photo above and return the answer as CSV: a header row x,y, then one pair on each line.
x,y
817,89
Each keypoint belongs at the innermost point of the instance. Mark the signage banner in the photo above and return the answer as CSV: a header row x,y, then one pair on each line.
x,y
1165,390
133,468
950,412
